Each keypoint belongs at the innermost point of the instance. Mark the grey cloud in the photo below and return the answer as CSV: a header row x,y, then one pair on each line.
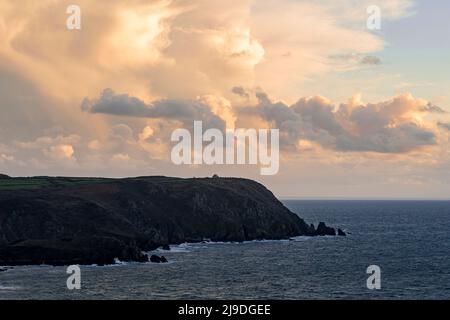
x,y
319,113
403,138
186,111
370,60
240,91
355,58
445,126
362,129
431,108
260,95
118,105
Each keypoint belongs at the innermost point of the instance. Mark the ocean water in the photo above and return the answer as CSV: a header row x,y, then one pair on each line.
x,y
408,240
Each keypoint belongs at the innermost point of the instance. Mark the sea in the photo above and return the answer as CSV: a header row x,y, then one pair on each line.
x,y
408,242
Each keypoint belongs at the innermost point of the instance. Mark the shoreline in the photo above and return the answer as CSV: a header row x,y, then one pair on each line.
x,y
174,248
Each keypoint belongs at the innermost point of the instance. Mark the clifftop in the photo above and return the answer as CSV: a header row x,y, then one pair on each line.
x,y
94,220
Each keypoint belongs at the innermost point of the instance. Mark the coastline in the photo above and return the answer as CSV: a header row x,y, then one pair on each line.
x,y
64,221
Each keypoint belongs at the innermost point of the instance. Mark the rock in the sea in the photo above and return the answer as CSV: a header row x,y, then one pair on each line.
x,y
311,230
157,259
341,233
324,230
4,176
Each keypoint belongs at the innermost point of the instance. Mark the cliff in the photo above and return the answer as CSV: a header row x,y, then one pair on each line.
x,y
63,221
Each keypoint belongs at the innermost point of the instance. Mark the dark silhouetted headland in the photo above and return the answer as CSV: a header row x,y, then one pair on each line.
x,y
62,221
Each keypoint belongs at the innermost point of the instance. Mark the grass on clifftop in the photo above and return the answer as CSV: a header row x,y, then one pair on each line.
x,y
40,182
33,183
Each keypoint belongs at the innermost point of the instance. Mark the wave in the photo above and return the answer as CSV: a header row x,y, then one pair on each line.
x,y
176,248
10,288
189,246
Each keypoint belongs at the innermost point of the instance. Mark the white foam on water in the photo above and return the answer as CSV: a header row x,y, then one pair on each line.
x,y
118,262
190,246
296,239
9,288
180,248
301,238
176,248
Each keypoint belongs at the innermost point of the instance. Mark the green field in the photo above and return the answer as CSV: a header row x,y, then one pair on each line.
x,y
32,183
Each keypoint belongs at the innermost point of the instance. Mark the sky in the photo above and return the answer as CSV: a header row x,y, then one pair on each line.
x,y
362,113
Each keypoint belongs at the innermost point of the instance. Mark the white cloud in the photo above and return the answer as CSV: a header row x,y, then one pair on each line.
x,y
59,152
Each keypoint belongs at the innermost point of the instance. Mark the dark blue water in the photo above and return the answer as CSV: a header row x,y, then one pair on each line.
x,y
408,240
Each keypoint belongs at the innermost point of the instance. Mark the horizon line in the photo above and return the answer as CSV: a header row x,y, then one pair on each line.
x,y
291,198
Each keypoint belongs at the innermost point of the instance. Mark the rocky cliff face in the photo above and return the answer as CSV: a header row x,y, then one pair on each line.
x,y
66,221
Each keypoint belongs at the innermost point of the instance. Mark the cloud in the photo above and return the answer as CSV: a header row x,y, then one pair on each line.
x,y
59,152
431,108
370,60
43,154
208,46
240,91
177,60
385,127
186,111
354,60
49,142
445,126
121,157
